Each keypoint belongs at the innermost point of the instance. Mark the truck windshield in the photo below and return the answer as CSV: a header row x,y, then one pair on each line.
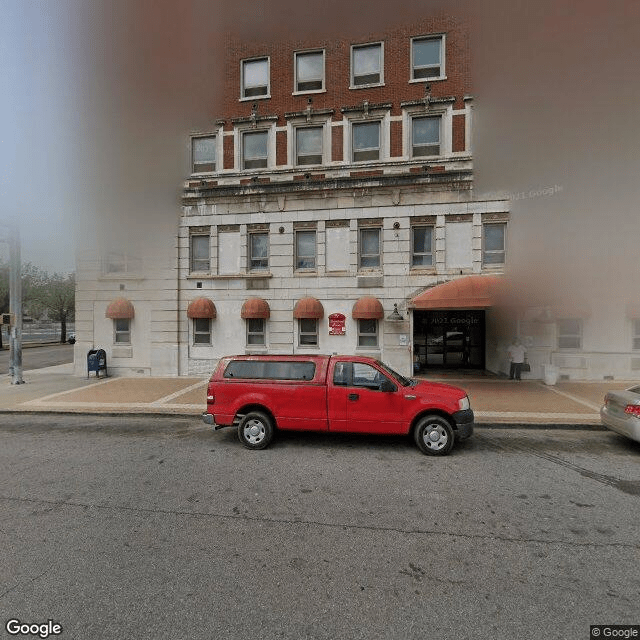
x,y
405,382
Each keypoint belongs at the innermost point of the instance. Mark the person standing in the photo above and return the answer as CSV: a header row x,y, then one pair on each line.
x,y
517,354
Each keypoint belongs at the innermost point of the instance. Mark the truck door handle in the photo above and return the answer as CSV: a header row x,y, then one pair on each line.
x,y
353,397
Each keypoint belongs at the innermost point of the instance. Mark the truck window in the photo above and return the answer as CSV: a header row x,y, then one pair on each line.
x,y
270,370
341,374
364,375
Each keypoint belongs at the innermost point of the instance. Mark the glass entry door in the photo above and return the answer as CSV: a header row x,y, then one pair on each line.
x,y
449,339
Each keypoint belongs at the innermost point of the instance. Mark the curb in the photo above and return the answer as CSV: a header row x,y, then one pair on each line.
x,y
177,414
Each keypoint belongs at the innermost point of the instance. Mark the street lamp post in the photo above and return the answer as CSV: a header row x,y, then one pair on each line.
x,y
15,304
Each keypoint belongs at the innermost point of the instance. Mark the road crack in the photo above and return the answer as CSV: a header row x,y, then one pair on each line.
x,y
328,525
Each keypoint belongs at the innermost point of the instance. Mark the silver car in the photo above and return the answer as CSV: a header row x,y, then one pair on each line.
x,y
621,412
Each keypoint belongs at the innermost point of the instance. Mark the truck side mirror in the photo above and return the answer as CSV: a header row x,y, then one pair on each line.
x,y
388,386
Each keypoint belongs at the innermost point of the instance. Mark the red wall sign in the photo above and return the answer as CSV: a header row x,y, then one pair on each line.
x,y
337,324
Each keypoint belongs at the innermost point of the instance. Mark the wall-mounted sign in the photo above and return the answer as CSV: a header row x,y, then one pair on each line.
x,y
337,324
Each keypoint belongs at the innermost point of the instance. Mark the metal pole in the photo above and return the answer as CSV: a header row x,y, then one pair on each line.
x,y
15,305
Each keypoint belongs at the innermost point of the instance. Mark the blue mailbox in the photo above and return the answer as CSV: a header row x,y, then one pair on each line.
x,y
97,361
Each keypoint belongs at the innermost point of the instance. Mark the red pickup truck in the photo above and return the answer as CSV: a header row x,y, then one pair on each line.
x,y
259,394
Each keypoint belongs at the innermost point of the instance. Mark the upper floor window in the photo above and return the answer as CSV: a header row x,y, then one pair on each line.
x,y
306,249
569,333
425,136
493,243
258,251
255,149
427,58
369,248
365,142
367,66
203,154
200,254
422,246
309,145
255,78
309,71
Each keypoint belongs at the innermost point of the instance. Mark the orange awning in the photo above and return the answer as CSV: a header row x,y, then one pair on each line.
x,y
367,308
309,308
201,308
255,308
120,309
469,292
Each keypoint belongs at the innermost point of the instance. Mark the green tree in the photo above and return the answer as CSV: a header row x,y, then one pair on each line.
x,y
54,294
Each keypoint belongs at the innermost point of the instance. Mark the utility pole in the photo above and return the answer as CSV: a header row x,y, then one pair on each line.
x,y
15,304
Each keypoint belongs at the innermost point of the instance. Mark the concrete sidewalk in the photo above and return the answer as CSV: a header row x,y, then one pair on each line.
x,y
494,400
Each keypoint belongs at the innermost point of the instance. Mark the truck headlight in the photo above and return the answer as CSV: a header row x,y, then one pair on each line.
x,y
464,403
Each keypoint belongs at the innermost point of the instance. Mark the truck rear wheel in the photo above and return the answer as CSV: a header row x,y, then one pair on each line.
x,y
434,436
255,430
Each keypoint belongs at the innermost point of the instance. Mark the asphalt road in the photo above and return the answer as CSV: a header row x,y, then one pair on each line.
x,y
160,528
38,357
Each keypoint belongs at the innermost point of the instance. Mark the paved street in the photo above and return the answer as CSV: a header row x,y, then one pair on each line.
x,y
39,357
154,527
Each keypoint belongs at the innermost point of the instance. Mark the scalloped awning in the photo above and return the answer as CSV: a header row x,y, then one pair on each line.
x,y
469,292
367,308
255,308
201,308
120,309
309,308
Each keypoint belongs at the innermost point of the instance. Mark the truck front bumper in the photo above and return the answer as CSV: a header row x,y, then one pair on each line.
x,y
464,423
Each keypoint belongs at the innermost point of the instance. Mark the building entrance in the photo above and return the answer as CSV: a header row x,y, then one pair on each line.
x,y
448,340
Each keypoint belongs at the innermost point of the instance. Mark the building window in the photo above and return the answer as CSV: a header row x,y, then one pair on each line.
x,y
636,334
369,248
309,145
307,332
255,149
365,141
258,251
309,71
425,137
122,331
202,331
493,244
200,253
306,249
569,334
367,333
256,332
367,65
422,246
119,263
203,154
255,78
427,58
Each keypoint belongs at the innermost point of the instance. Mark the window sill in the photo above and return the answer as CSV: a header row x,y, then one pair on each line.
x,y
305,273
227,276
304,93
427,80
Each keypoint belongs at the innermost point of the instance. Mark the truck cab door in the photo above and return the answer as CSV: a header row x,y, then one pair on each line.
x,y
363,399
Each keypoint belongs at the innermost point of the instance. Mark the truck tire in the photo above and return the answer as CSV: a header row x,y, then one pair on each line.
x,y
255,430
434,435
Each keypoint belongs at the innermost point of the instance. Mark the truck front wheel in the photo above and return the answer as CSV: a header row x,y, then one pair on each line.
x,y
255,430
434,436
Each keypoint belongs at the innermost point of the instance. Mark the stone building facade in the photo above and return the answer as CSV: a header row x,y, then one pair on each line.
x,y
334,187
